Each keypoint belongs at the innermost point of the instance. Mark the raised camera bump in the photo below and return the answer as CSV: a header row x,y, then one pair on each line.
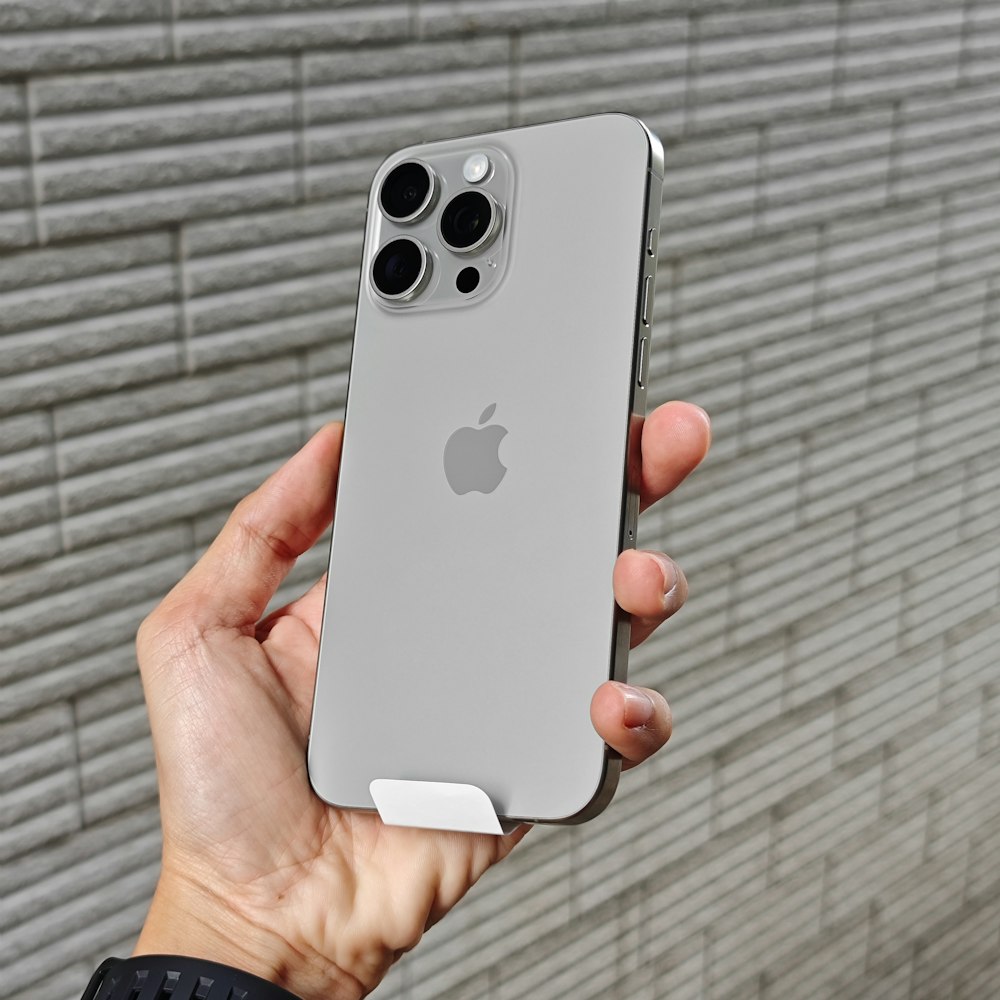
x,y
408,192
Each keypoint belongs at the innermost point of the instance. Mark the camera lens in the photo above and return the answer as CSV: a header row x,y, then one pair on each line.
x,y
401,268
470,221
407,192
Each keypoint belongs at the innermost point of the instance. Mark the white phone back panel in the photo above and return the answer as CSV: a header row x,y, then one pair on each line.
x,y
464,635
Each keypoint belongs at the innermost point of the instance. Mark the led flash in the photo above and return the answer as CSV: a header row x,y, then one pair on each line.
x,y
477,168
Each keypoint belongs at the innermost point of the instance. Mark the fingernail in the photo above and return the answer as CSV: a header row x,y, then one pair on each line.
x,y
639,708
669,575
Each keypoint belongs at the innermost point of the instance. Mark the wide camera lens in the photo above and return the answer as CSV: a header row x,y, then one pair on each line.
x,y
469,221
401,269
407,192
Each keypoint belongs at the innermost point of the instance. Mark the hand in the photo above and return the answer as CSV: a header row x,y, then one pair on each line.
x,y
257,871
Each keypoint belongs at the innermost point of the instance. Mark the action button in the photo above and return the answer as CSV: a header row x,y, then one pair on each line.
x,y
651,243
647,299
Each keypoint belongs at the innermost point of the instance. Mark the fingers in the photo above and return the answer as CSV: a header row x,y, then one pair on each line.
x,y
307,608
650,587
233,581
675,438
634,721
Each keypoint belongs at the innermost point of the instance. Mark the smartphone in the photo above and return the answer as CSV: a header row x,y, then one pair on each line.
x,y
496,393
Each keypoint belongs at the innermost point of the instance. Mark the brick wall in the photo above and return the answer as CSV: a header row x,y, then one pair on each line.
x,y
181,203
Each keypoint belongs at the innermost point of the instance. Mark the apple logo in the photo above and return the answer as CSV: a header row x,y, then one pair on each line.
x,y
472,456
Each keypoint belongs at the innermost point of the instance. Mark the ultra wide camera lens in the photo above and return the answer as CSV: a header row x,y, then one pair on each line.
x,y
470,221
407,192
401,269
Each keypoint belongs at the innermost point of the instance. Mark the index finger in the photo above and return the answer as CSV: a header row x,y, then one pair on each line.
x,y
675,438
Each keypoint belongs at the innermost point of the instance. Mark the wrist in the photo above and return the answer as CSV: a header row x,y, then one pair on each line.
x,y
189,919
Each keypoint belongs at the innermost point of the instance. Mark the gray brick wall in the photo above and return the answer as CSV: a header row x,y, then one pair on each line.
x,y
181,202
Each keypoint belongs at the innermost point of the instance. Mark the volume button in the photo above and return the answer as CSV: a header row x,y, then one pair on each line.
x,y
647,300
643,366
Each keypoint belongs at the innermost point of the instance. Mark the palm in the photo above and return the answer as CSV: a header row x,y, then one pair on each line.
x,y
255,822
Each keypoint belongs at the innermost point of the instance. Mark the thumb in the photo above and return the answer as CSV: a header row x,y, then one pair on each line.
x,y
232,583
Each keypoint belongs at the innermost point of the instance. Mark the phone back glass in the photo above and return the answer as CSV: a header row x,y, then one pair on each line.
x,y
464,634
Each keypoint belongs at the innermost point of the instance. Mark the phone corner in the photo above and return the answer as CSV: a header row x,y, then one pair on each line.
x,y
599,800
653,144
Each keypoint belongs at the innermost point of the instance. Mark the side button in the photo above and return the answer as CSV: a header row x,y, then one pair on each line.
x,y
647,300
643,362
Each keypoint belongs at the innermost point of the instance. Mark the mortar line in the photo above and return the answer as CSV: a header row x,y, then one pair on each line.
x,y
34,156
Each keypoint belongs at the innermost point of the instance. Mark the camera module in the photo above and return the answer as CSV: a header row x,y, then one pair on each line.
x,y
408,191
470,221
401,269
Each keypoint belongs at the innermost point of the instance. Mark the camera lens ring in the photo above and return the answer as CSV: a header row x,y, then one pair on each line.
x,y
482,235
401,269
409,183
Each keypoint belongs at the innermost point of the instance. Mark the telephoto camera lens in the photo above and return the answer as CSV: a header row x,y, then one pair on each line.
x,y
401,269
470,221
407,192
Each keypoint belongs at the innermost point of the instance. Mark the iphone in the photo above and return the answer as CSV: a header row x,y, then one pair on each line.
x,y
496,394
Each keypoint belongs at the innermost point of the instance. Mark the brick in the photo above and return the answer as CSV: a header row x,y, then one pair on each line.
x,y
975,982
623,59
682,966
17,229
15,187
814,821
50,928
982,40
983,873
444,18
772,923
151,87
402,95
23,469
247,188
870,862
921,758
956,946
126,920
823,170
842,642
125,173
59,48
35,745
817,970
140,511
76,573
155,438
200,38
42,14
378,62
695,893
316,256
142,126
24,805
969,805
916,905
970,657
83,378
891,697
651,828
761,770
